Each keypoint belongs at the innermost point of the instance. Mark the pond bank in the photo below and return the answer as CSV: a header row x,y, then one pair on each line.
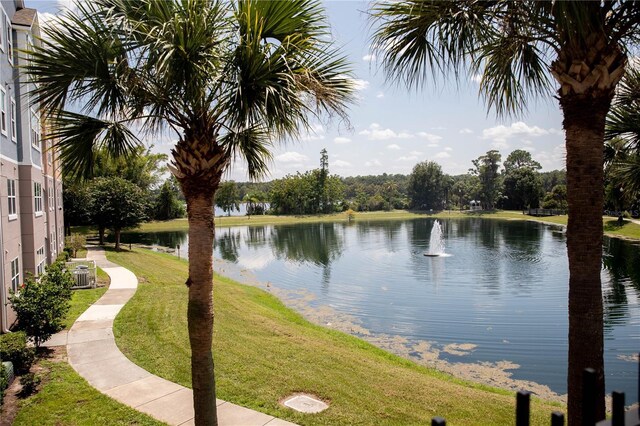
x,y
265,351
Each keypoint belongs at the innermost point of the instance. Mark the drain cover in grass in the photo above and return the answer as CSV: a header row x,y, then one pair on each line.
x,y
305,403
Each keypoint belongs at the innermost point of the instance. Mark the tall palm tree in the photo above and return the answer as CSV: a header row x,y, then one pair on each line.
x,y
228,77
519,49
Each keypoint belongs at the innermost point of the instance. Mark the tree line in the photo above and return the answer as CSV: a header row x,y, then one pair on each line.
x,y
515,184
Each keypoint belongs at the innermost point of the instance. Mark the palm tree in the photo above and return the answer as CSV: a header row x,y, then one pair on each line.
x,y
229,78
519,49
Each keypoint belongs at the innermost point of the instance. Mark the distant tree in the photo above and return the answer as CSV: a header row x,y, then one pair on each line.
x,y
143,167
116,204
427,186
486,169
522,183
553,178
76,202
167,205
227,197
464,188
556,198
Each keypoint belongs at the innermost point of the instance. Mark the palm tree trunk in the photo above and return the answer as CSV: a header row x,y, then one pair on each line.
x,y
200,307
584,121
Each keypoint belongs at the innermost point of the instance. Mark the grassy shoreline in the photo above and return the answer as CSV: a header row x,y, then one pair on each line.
x,y
628,230
265,351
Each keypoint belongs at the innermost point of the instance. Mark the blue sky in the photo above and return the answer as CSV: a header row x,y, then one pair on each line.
x,y
391,128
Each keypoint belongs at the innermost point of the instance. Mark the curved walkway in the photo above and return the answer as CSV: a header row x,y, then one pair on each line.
x,y
93,353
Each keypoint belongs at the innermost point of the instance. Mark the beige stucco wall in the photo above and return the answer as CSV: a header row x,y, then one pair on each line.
x,y
11,233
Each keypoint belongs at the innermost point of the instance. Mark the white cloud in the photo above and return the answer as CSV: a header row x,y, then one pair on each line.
x,y
341,163
316,133
359,84
554,160
434,139
408,158
377,133
417,153
373,163
442,154
341,140
465,131
292,157
369,58
433,145
380,95
394,146
448,148
476,78
519,129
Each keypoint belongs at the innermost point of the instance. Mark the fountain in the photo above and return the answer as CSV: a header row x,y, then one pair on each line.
x,y
436,242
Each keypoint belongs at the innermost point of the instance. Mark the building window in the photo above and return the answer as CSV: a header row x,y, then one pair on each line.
x,y
2,21
14,127
41,261
37,196
59,199
51,194
3,110
11,199
35,130
49,153
15,275
9,39
52,245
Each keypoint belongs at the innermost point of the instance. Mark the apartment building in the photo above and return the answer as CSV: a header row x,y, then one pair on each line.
x,y
31,216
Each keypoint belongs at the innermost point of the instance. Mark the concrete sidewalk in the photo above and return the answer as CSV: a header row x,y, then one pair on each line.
x,y
93,353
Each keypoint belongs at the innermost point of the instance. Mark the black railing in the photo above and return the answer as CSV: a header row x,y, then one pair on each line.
x,y
544,212
619,417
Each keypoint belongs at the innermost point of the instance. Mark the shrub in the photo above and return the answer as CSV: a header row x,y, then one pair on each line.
x,y
42,305
29,384
74,243
4,381
13,347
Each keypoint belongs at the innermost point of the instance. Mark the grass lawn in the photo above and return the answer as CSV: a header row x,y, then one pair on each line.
x,y
67,399
265,352
80,301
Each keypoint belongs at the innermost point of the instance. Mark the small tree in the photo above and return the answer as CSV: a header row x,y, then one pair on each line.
x,y
116,204
167,205
41,305
227,197
75,242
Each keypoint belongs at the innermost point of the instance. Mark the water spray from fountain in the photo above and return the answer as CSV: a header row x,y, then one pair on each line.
x,y
436,242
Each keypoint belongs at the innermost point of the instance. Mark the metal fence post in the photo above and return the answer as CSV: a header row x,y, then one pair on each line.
x,y
522,408
557,419
617,416
589,397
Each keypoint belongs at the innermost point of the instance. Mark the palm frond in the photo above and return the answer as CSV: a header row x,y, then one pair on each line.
x,y
78,137
421,39
623,120
82,62
253,145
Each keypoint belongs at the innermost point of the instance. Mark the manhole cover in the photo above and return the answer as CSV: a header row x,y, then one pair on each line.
x,y
305,404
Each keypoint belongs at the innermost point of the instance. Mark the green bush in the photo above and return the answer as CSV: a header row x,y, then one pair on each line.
x,y
29,384
13,347
4,381
42,305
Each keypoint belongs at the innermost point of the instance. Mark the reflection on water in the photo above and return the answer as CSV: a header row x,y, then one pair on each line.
x,y
503,291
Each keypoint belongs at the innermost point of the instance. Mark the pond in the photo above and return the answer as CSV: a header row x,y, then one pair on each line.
x,y
494,310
